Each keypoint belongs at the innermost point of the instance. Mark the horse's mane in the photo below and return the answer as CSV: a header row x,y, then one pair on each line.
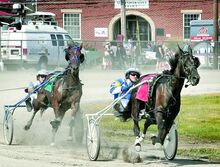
x,y
173,61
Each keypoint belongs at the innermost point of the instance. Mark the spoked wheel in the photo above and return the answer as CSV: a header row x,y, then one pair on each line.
x,y
93,140
171,143
8,127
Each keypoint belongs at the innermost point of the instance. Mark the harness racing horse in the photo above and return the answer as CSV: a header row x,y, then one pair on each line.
x,y
66,94
165,97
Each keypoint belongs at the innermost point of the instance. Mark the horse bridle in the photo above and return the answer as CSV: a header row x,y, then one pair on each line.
x,y
187,69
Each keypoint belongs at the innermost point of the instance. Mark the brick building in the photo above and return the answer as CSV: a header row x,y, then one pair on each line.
x,y
100,20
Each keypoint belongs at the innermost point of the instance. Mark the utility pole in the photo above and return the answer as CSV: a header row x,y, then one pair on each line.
x,y
123,20
36,6
215,26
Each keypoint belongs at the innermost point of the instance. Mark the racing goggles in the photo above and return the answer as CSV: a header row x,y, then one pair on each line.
x,y
135,74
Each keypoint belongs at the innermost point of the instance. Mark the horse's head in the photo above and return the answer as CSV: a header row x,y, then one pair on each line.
x,y
74,55
189,65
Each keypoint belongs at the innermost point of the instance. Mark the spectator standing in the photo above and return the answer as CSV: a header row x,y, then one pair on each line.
x,y
160,56
121,56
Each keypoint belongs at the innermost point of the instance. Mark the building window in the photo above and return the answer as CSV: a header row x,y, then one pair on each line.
x,y
160,32
186,23
72,24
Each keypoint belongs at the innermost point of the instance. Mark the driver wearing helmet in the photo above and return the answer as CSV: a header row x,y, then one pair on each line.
x,y
120,87
41,76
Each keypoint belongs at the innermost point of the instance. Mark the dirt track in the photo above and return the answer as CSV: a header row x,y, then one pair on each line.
x,y
32,148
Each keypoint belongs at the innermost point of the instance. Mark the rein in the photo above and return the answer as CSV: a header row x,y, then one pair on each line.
x,y
186,85
169,75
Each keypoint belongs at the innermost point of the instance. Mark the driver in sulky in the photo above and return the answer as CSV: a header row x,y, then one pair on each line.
x,y
41,76
119,88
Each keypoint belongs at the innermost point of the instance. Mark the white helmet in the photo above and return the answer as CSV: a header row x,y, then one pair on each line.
x,y
42,72
128,71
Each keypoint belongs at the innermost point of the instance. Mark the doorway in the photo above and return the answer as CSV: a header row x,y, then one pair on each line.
x,y
137,29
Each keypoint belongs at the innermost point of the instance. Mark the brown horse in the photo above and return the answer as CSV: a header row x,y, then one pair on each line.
x,y
164,103
66,93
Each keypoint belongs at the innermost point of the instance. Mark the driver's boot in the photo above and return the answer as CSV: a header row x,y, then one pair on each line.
x,y
119,110
29,105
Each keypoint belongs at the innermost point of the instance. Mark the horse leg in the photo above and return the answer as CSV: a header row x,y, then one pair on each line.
x,y
162,131
29,123
135,115
36,106
74,109
56,123
139,137
172,113
149,121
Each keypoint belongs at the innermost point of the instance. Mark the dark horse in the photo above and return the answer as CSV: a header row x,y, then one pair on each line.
x,y
165,100
65,94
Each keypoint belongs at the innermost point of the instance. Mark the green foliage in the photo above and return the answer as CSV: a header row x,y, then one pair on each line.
x,y
199,118
213,154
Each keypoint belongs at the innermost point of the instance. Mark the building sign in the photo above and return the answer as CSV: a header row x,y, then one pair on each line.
x,y
133,4
101,32
201,30
202,33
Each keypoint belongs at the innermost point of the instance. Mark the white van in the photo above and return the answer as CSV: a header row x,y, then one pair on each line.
x,y
36,43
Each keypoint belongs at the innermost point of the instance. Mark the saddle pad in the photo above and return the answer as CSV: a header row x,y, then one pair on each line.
x,y
142,93
48,87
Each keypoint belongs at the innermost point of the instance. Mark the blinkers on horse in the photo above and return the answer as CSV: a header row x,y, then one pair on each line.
x,y
74,54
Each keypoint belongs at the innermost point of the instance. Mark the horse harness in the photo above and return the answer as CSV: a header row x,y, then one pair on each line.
x,y
160,78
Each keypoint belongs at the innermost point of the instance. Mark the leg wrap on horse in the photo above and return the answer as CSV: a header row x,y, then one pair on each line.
x,y
138,141
139,138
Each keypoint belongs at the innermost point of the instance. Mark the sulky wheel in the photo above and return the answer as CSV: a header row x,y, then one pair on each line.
x,y
8,127
171,143
93,140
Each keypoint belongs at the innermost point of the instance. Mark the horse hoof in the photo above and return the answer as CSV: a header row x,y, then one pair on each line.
x,y
158,146
153,138
55,124
52,144
138,147
26,127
